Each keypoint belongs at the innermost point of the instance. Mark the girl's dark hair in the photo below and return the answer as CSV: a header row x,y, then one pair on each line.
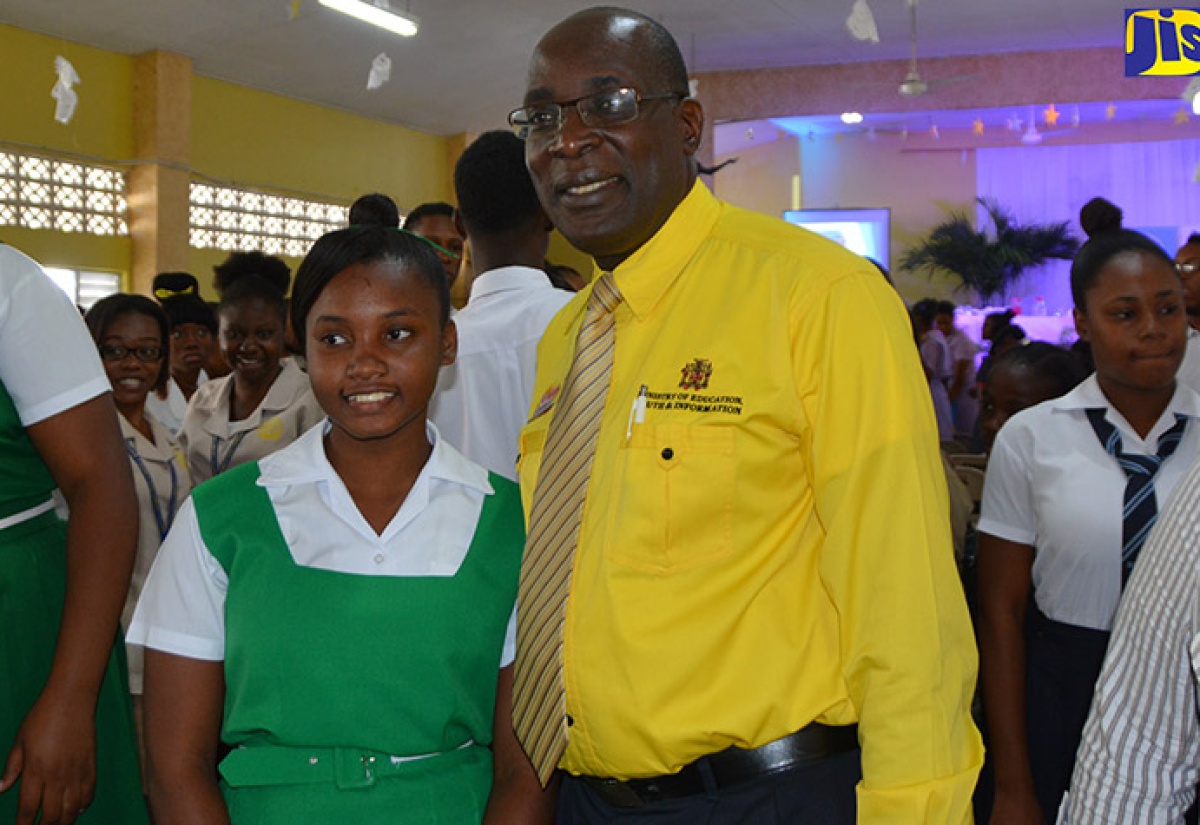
x,y
1100,215
1106,240
924,311
247,275
1007,333
108,309
1063,370
336,251
1100,250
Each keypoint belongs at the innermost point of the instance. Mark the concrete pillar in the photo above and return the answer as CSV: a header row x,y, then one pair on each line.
x,y
159,182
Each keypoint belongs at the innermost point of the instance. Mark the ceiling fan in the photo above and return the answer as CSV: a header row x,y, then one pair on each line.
x,y
913,84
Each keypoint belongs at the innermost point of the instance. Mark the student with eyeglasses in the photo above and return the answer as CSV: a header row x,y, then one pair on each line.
x,y
131,332
66,726
738,598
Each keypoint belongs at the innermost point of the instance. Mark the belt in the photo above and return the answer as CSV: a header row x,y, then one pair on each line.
x,y
347,768
729,767
26,515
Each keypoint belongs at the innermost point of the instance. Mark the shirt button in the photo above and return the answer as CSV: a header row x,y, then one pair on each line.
x,y
668,453
379,558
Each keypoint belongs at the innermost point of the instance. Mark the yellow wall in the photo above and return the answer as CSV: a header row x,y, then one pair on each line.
x,y
102,128
238,135
257,139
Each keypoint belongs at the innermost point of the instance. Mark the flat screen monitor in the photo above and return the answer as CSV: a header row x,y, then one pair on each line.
x,y
863,231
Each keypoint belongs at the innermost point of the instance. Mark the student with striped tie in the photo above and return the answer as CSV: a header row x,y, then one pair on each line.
x,y
1074,485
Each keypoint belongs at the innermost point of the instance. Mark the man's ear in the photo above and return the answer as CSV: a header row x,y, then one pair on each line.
x,y
691,124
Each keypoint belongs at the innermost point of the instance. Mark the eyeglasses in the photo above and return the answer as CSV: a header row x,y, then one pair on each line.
x,y
1188,267
117,354
599,111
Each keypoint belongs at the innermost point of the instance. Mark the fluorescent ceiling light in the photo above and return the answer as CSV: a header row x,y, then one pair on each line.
x,y
851,118
377,14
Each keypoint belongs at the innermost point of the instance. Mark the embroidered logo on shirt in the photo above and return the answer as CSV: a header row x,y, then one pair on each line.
x,y
546,403
696,374
271,429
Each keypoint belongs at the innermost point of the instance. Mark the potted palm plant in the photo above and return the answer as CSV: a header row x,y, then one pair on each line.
x,y
988,261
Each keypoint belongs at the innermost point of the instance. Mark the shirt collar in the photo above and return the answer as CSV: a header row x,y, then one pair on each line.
x,y
506,279
645,276
305,462
1088,394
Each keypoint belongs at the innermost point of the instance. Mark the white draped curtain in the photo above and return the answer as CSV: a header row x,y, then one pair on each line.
x,y
1153,183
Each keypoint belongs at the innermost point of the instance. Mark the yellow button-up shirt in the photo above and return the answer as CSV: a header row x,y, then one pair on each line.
x,y
769,545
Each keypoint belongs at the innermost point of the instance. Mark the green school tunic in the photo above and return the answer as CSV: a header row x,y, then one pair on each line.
x,y
33,575
334,681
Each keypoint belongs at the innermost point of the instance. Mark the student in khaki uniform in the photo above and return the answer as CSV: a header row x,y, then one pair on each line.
x,y
131,332
266,402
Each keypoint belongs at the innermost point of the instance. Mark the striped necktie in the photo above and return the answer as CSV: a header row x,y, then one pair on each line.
x,y
539,700
1141,508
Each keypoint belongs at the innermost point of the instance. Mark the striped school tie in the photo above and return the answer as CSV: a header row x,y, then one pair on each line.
x,y
1141,508
539,700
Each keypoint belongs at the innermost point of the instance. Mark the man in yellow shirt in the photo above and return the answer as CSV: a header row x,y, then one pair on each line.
x,y
759,576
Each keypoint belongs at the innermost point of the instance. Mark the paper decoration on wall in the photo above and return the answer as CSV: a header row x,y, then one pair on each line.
x,y
861,22
1110,112
693,87
1050,115
1075,118
1182,117
62,92
381,71
1014,123
977,126
294,9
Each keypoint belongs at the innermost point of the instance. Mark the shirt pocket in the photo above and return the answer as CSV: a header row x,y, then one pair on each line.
x,y
673,497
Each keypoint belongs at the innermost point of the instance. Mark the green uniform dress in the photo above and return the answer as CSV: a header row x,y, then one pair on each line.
x,y
32,589
333,680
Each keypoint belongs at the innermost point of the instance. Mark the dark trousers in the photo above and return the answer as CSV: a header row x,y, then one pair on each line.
x,y
1062,664
821,793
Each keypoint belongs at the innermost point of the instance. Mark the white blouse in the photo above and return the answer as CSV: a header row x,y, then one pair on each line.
x,y
212,443
1051,485
182,609
161,479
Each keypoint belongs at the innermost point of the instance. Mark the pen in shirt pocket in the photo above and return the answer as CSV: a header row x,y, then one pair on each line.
x,y
637,413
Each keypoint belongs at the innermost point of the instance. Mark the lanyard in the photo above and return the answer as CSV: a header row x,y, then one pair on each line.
x,y
220,465
163,522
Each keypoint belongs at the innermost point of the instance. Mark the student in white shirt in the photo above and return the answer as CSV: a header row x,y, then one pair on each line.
x,y
483,398
131,334
341,613
1052,527
266,402
193,327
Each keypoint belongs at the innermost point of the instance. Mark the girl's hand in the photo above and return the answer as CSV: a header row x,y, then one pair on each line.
x,y
54,755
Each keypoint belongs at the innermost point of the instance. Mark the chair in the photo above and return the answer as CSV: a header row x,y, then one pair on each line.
x,y
976,460
973,478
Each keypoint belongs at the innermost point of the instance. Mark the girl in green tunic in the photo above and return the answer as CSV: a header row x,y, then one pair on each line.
x,y
66,730
340,613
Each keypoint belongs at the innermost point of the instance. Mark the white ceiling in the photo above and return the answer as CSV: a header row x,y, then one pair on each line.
x,y
466,68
